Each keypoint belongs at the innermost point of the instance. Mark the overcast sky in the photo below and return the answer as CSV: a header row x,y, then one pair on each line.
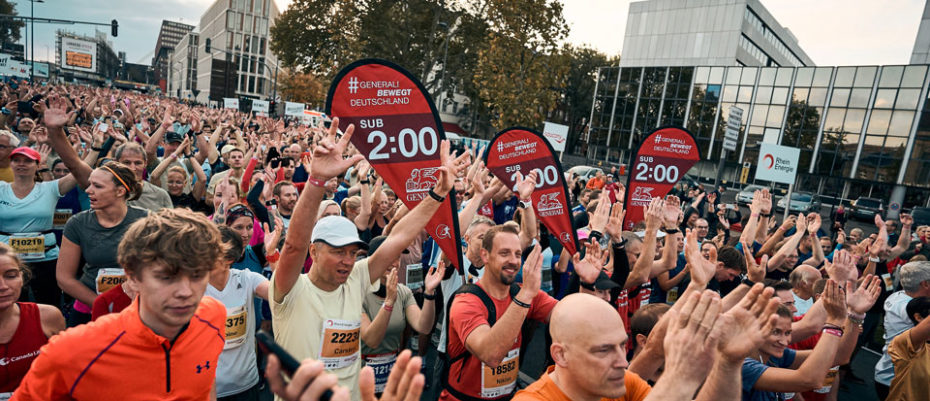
x,y
832,32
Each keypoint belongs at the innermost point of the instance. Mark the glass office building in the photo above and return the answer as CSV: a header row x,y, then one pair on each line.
x,y
862,130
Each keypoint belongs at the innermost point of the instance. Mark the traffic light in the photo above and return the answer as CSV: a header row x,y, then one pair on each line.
x,y
113,27
207,45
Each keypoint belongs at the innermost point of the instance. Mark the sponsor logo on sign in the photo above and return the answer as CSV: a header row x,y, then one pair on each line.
x,y
353,85
549,205
565,237
420,182
520,148
672,145
442,231
777,163
642,196
556,137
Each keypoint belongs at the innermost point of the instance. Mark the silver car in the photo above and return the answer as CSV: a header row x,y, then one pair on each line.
x,y
804,202
744,197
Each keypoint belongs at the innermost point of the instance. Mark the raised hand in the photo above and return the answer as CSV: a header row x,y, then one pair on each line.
x,y
56,115
434,276
450,167
789,223
327,159
906,219
527,184
532,275
748,323
861,300
702,270
655,214
765,206
755,272
43,150
813,222
390,286
672,211
843,268
602,214
309,381
835,303
590,267
692,338
615,223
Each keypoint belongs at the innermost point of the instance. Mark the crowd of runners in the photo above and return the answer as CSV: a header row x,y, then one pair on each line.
x,y
144,244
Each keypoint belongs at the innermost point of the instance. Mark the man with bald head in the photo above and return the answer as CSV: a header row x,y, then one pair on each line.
x,y
802,281
589,350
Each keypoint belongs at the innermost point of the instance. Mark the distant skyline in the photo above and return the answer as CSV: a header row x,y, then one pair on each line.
x,y
832,32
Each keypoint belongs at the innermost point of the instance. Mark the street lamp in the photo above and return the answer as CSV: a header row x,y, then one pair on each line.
x,y
32,34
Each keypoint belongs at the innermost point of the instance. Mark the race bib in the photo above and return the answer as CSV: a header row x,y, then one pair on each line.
x,y
237,320
61,217
339,346
381,364
28,245
672,295
414,276
502,380
889,283
108,278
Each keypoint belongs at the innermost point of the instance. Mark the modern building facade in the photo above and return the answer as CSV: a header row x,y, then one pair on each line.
x,y
169,35
862,130
182,67
240,63
707,32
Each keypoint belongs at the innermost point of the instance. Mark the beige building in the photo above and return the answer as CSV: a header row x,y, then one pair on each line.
x,y
240,63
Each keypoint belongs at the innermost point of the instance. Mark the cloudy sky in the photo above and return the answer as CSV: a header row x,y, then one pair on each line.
x,y
832,32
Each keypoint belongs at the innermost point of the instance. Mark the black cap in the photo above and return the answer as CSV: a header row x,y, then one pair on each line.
x,y
602,283
172,136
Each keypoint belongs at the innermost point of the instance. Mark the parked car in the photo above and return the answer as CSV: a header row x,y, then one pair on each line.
x,y
744,197
866,208
585,172
921,216
802,202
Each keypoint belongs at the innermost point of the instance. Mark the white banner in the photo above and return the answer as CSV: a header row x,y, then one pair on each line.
x,y
13,68
777,163
78,55
293,109
556,134
260,106
231,103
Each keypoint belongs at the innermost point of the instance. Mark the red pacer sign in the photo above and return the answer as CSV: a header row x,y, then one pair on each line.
x,y
516,151
662,159
397,129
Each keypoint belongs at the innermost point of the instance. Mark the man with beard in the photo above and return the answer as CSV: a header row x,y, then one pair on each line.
x,y
285,195
485,319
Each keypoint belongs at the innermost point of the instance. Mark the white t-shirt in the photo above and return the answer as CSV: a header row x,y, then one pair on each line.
x,y
896,322
801,304
324,325
33,214
236,370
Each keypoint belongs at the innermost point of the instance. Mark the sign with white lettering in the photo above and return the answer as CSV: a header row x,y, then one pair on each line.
x,y
260,106
731,135
293,109
777,163
231,103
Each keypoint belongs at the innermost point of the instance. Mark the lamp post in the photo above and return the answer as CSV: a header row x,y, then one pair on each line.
x,y
32,34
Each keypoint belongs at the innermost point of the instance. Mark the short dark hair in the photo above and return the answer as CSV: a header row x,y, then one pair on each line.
x,y
646,318
783,311
919,306
488,242
233,241
732,258
277,187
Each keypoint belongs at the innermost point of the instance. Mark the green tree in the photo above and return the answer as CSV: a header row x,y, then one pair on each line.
x,y
573,107
9,28
519,71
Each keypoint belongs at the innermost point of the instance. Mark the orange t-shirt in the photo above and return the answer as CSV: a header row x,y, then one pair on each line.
x,y
595,183
545,389
117,357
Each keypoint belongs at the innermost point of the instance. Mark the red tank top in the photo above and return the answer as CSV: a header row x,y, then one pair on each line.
x,y
17,355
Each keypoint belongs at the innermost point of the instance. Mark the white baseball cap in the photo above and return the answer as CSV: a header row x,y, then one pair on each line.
x,y
337,232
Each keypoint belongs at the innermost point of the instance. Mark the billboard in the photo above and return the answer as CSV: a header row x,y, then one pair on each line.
x,y
78,55
13,68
